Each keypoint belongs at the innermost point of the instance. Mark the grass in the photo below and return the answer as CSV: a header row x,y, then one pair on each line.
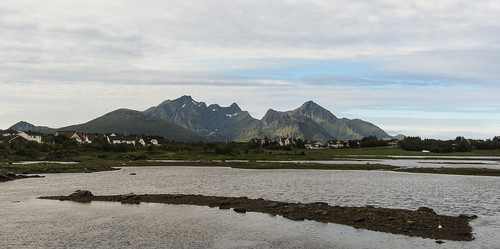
x,y
97,161
454,171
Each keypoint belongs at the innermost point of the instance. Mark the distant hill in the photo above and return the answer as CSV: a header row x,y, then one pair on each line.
x,y
312,122
213,122
25,126
124,121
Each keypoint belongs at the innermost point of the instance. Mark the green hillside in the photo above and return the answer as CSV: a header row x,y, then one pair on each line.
x,y
124,121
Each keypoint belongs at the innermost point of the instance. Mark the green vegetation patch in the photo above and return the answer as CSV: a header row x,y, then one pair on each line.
x,y
454,171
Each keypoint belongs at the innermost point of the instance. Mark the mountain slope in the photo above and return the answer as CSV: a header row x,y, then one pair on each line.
x,y
312,122
213,122
25,126
124,121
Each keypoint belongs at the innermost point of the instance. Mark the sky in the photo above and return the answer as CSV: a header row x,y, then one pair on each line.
x,y
419,68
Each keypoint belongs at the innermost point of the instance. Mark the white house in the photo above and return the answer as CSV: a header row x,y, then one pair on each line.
x,y
31,136
286,141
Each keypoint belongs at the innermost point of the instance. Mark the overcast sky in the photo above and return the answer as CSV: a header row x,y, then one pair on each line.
x,y
421,68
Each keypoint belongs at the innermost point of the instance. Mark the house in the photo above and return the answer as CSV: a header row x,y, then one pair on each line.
x,y
20,136
8,133
314,145
93,137
286,141
6,139
31,136
78,136
148,141
18,139
335,144
393,143
122,140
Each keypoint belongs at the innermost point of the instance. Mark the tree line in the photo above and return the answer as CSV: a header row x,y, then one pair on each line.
x,y
459,144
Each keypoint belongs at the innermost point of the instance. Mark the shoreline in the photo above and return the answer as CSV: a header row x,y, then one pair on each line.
x,y
423,222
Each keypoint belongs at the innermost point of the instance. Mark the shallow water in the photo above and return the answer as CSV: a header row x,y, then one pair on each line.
x,y
33,223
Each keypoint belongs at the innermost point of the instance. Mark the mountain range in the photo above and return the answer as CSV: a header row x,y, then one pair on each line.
x,y
185,119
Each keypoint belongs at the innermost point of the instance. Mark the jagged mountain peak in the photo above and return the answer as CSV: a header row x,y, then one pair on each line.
x,y
213,122
314,111
234,107
185,98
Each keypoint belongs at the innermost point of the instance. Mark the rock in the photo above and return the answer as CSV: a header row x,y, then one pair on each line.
x,y
127,196
11,174
439,242
132,174
272,205
288,210
81,194
294,216
426,210
321,203
321,212
240,210
359,219
466,216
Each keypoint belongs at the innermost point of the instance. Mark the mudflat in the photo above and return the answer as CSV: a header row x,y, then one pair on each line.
x,y
423,222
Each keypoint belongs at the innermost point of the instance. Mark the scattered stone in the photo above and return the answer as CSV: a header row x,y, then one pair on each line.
x,y
240,210
296,217
321,212
426,209
272,205
288,210
81,194
321,203
359,219
466,216
128,196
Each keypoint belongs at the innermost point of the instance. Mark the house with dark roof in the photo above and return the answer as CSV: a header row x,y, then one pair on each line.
x,y
8,133
144,141
78,136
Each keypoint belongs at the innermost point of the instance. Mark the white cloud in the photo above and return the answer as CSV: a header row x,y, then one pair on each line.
x,y
426,55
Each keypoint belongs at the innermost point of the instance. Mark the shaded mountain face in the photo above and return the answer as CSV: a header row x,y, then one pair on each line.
x,y
213,122
25,126
124,121
312,122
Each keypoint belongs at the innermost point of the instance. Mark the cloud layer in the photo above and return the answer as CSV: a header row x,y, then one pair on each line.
x,y
390,62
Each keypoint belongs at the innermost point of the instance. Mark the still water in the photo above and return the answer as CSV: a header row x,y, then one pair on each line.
x,y
27,222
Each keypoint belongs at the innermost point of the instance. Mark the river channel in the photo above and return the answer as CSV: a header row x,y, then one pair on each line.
x,y
28,222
